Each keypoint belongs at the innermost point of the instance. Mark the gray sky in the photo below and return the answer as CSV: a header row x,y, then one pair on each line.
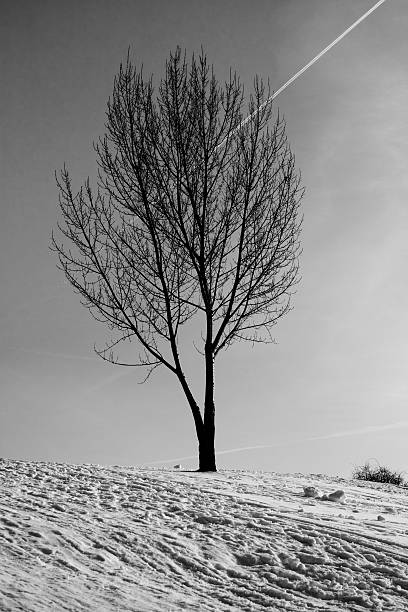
x,y
333,391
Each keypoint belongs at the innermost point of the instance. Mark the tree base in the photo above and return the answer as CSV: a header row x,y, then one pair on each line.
x,y
214,469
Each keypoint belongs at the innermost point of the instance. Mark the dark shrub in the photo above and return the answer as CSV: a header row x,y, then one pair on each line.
x,y
379,473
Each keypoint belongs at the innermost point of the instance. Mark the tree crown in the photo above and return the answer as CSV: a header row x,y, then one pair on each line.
x,y
195,212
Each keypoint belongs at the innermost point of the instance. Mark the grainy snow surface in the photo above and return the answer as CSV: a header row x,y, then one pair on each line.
x,y
92,538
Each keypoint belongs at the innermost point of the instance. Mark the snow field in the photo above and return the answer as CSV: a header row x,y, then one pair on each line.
x,y
85,537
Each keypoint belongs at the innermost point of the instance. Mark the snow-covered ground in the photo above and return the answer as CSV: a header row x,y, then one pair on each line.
x,y
92,538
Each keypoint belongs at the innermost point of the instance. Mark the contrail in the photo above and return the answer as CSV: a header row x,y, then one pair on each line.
x,y
106,381
340,434
46,353
362,430
302,70
221,452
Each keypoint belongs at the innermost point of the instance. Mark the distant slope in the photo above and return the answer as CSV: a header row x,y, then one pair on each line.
x,y
91,538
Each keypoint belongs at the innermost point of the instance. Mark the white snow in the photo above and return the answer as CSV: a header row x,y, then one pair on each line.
x,y
92,538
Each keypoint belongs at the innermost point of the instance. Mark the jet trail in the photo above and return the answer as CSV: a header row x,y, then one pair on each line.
x,y
308,65
340,434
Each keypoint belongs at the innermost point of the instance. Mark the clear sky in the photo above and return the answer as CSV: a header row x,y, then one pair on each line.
x,y
333,391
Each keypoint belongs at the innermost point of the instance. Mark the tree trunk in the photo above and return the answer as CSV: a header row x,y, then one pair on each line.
x,y
206,447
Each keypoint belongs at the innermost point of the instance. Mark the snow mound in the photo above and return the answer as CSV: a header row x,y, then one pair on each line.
x,y
86,537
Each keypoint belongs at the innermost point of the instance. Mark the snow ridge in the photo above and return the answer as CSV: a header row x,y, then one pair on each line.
x,y
86,537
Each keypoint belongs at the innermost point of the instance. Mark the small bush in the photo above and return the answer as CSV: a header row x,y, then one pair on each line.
x,y
380,473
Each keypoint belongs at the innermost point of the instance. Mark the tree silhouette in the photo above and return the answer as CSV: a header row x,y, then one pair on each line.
x,y
196,215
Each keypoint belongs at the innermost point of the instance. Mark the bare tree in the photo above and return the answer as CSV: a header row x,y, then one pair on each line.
x,y
196,214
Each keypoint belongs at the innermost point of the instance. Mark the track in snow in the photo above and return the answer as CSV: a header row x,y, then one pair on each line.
x,y
84,537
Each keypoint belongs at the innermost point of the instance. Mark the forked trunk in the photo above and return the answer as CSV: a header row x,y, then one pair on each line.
x,y
205,427
204,423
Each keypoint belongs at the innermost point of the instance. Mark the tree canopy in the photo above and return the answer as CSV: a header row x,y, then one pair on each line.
x,y
196,213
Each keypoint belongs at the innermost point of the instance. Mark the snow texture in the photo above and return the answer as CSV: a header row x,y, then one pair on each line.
x,y
92,538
